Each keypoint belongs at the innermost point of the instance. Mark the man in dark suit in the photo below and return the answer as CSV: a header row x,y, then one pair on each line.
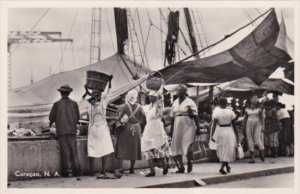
x,y
65,115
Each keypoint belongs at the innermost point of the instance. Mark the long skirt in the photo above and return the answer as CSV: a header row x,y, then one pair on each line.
x,y
271,140
160,152
183,135
99,141
287,133
226,140
128,145
254,134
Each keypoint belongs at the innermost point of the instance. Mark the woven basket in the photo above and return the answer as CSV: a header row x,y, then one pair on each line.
x,y
154,83
97,80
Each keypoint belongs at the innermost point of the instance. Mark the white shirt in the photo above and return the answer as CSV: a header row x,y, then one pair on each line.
x,y
282,113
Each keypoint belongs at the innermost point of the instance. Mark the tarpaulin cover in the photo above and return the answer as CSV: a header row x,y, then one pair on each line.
x,y
256,57
45,91
278,85
244,87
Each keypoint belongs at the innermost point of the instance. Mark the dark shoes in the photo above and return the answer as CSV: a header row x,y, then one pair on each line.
x,y
261,155
181,170
189,167
151,174
252,161
131,171
165,171
222,171
228,169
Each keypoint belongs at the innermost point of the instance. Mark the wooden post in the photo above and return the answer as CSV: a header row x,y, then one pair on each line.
x,y
211,96
197,97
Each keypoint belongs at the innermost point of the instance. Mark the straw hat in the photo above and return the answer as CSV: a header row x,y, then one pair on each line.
x,y
65,88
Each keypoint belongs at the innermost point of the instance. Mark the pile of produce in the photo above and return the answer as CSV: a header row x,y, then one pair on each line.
x,y
21,132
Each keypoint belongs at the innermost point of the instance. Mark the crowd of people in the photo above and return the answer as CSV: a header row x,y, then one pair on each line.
x,y
267,127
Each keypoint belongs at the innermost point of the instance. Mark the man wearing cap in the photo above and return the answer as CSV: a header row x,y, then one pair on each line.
x,y
65,115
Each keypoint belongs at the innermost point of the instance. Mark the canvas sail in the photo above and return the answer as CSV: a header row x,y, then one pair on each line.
x,y
256,57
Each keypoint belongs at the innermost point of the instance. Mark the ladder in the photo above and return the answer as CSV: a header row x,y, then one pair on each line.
x,y
95,45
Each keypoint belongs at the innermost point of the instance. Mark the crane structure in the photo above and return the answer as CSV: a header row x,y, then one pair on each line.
x,y
23,37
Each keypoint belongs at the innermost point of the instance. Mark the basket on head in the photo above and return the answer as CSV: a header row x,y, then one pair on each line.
x,y
154,83
97,80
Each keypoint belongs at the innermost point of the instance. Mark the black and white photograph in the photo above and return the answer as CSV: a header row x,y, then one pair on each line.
x,y
172,94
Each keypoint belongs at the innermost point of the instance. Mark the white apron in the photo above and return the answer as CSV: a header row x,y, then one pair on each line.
x,y
99,139
154,135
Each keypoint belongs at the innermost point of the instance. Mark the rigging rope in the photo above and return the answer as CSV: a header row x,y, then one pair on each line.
x,y
143,41
200,41
110,34
204,30
185,40
32,28
79,51
161,40
69,34
226,36
136,35
249,16
257,10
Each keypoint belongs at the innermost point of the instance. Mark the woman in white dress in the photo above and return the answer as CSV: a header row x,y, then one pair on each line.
x,y
185,126
99,142
254,124
155,140
226,135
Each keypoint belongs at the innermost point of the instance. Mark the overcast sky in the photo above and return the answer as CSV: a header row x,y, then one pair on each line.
x,y
44,59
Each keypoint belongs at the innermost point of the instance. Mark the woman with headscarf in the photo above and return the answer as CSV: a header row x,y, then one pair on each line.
x,y
226,138
99,141
253,123
155,140
185,125
128,145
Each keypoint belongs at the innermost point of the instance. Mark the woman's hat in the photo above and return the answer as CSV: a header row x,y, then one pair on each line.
x,y
65,88
131,96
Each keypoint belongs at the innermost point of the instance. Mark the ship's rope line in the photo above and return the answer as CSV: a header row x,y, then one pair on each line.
x,y
161,39
73,56
77,54
257,10
62,53
198,31
184,37
249,16
138,68
39,20
33,27
144,54
226,36
204,30
109,30
69,34
185,41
